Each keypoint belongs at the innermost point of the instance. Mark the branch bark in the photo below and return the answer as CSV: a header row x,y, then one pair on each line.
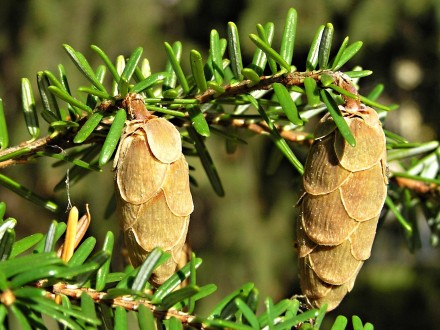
x,y
126,302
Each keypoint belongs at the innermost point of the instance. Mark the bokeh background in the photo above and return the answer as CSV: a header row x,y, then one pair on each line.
x,y
248,234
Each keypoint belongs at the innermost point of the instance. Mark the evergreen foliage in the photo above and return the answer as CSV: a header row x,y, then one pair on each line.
x,y
270,96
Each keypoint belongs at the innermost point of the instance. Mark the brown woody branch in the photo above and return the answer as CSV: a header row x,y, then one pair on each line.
x,y
29,149
246,86
125,302
260,127
61,141
420,188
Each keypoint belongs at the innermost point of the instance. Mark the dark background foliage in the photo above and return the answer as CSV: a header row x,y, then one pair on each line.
x,y
247,235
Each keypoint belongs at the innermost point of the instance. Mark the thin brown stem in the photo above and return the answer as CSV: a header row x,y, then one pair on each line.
x,y
260,127
420,188
246,86
61,141
129,304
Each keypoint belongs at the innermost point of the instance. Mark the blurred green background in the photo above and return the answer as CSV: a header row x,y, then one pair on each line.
x,y
247,235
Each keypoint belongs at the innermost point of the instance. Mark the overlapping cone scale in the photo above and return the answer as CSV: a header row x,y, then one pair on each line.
x,y
344,192
153,196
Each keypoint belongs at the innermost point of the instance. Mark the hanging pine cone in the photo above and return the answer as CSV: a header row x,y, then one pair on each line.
x,y
344,191
153,197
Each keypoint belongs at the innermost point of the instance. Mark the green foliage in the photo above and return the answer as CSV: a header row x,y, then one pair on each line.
x,y
26,303
214,96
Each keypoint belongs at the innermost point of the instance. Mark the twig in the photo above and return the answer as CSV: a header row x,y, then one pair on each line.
x,y
126,302
246,86
29,149
260,127
50,143
420,188
64,140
